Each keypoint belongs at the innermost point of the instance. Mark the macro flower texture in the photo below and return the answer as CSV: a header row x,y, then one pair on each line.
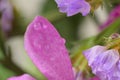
x,y
105,63
72,7
47,51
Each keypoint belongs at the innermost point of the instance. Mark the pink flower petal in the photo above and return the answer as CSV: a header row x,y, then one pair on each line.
x,y
47,50
95,78
23,77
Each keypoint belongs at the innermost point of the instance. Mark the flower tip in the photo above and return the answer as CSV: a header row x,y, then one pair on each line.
x,y
38,18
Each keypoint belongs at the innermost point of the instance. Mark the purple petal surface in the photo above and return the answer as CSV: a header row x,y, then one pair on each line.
x,y
92,53
23,77
72,7
47,50
107,60
104,63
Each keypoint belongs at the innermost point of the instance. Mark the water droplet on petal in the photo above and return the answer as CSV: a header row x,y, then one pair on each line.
x,y
37,44
44,26
52,59
37,26
63,40
47,47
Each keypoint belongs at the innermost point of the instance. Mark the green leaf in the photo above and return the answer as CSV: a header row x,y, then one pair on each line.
x,y
5,73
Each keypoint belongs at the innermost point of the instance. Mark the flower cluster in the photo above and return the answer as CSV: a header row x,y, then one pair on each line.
x,y
72,7
104,63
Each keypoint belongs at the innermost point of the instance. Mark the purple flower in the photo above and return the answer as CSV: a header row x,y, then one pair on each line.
x,y
7,15
115,13
104,63
47,50
72,7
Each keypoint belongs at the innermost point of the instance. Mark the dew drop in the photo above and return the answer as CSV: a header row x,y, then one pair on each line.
x,y
37,26
37,44
47,47
52,59
63,40
44,26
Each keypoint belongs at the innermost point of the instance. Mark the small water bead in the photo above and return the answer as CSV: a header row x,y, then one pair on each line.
x,y
47,47
52,59
42,25
37,44
63,40
60,40
45,26
39,26
40,37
